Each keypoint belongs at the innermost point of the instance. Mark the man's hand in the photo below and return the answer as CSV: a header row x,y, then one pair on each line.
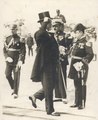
x,y
78,66
62,50
9,59
47,19
19,64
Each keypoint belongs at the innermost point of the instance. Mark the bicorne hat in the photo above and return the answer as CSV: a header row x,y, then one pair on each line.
x,y
79,27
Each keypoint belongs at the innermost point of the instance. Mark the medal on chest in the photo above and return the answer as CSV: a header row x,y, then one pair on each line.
x,y
60,37
81,45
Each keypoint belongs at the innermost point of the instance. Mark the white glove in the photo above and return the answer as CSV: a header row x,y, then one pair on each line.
x,y
78,66
62,50
9,59
46,19
19,64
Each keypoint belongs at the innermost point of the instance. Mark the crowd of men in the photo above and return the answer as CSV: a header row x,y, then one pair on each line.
x,y
54,47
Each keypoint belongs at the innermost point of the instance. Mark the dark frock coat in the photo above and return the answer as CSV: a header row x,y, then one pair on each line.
x,y
47,53
44,68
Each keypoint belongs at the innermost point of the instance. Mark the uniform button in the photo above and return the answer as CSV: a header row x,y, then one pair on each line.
x,y
17,44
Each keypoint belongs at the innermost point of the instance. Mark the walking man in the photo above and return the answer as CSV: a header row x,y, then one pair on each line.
x,y
44,68
30,43
14,52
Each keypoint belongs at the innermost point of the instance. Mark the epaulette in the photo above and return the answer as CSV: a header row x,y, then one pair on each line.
x,y
8,36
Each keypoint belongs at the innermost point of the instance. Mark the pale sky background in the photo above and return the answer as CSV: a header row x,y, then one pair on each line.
x,y
75,11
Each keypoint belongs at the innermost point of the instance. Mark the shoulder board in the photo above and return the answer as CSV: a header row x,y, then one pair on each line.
x,y
89,44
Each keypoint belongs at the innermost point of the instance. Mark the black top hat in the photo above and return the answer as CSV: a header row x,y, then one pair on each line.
x,y
43,15
79,27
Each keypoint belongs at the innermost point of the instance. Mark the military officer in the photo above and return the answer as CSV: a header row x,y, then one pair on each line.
x,y
14,52
82,54
64,44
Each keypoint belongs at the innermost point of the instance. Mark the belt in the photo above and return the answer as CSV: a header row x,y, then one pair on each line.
x,y
79,58
11,49
76,57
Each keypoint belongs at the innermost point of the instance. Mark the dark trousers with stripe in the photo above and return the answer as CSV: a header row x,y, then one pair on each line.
x,y
78,89
13,81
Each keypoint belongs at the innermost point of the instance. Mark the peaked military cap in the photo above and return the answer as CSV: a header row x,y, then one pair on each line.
x,y
14,26
57,21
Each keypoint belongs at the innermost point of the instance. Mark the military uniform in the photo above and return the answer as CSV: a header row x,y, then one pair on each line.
x,y
60,87
82,52
14,51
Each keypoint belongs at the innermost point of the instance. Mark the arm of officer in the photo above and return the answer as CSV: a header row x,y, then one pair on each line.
x,y
22,54
89,53
5,49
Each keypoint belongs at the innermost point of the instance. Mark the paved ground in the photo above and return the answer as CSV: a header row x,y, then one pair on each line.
x,y
21,108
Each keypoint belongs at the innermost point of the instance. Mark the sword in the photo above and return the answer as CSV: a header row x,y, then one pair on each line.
x,y
17,80
63,77
83,88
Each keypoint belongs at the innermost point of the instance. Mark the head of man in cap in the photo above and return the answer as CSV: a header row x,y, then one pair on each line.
x,y
14,29
79,30
58,12
58,25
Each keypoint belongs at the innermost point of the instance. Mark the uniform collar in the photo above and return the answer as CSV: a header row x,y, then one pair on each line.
x,y
82,39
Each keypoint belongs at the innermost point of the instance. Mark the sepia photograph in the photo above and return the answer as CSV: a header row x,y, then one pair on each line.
x,y
48,59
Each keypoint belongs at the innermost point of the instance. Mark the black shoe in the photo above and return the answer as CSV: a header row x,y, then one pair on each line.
x,y
80,107
15,96
54,114
64,101
73,106
57,99
33,101
12,92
